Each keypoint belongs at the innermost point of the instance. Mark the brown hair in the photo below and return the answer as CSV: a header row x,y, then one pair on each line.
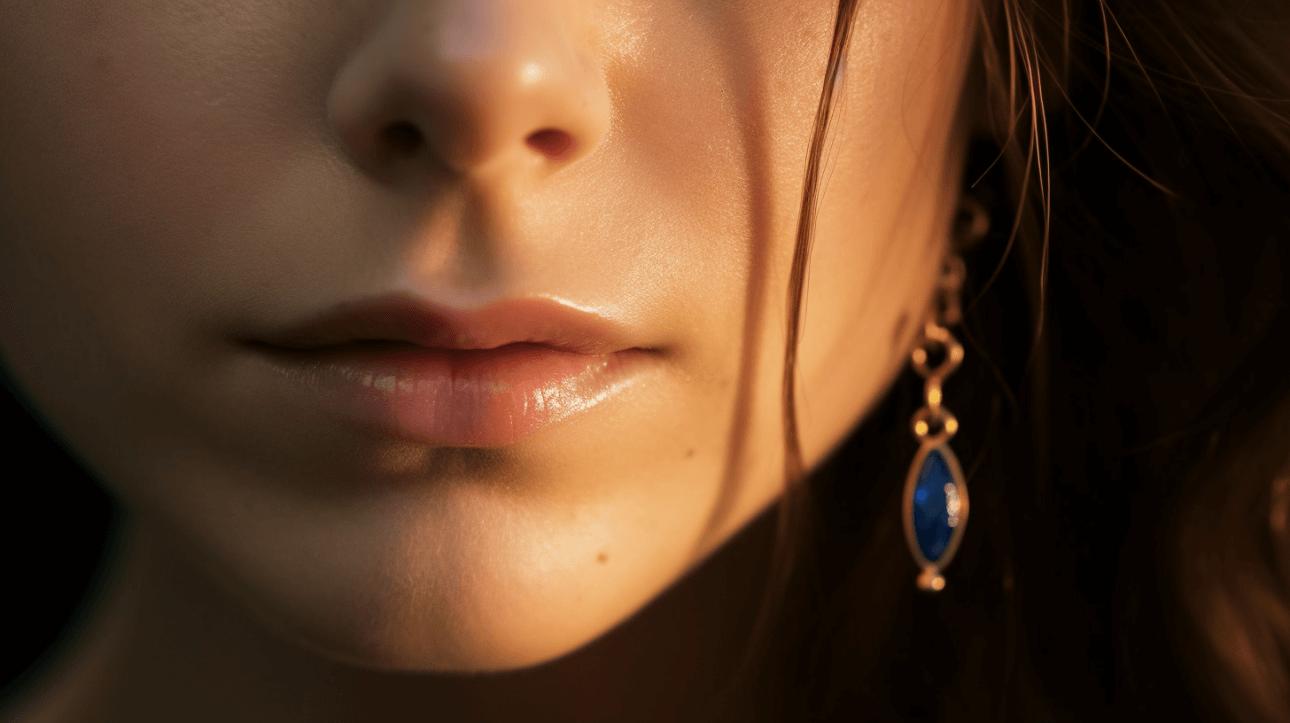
x,y
1126,405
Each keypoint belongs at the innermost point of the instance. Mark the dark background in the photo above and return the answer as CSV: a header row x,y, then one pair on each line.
x,y
56,529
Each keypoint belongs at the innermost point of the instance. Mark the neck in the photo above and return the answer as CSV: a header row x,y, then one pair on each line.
x,y
163,643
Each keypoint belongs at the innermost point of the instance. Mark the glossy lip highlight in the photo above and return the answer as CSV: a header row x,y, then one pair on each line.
x,y
471,398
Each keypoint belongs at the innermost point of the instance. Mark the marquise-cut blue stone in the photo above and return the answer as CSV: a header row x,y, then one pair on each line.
x,y
933,524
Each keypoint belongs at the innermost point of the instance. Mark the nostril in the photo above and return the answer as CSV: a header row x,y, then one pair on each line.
x,y
402,137
551,142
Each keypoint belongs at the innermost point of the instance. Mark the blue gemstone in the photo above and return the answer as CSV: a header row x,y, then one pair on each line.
x,y
936,505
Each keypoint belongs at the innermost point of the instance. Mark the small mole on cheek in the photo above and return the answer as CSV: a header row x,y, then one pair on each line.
x,y
602,558
689,453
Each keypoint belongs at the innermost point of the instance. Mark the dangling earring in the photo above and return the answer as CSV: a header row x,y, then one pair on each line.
x,y
936,496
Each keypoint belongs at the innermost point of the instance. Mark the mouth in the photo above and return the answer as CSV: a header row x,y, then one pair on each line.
x,y
481,388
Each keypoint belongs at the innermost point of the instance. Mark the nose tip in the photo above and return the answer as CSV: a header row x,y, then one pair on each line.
x,y
470,90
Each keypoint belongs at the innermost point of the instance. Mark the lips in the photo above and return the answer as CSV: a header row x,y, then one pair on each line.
x,y
456,377
558,325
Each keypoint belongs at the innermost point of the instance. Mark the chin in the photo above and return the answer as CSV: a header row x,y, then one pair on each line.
x,y
429,589
485,645
453,628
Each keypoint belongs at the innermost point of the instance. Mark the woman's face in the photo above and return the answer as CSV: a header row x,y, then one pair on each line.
x,y
179,177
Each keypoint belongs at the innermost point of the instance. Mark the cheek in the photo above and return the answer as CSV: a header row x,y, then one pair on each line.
x,y
116,165
890,182
135,163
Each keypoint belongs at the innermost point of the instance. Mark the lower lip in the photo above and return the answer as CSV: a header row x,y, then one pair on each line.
x,y
451,397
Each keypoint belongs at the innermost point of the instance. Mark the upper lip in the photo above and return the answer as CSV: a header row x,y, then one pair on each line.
x,y
406,318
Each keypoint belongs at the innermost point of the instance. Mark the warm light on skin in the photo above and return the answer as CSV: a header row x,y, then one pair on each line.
x,y
532,73
178,175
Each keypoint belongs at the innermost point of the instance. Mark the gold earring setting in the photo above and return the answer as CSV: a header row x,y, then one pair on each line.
x,y
935,506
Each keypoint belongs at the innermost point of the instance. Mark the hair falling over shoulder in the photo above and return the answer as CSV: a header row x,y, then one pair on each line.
x,y
1126,406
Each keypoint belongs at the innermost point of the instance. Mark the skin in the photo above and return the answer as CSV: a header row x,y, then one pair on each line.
x,y
179,175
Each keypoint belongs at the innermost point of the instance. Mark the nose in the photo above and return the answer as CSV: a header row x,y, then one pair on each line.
x,y
471,87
